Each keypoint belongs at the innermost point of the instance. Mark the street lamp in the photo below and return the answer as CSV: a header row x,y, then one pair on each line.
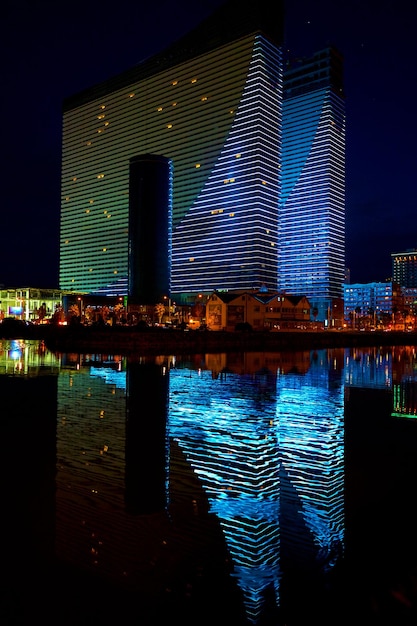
x,y
169,307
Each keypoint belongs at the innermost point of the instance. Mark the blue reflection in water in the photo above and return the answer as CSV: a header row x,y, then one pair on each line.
x,y
262,433
258,442
229,430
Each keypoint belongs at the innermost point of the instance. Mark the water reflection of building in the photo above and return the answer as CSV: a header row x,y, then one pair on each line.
x,y
261,451
227,429
27,358
310,410
28,458
235,438
268,450
393,369
253,362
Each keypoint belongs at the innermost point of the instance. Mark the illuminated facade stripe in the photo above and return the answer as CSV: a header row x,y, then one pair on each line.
x,y
311,249
228,239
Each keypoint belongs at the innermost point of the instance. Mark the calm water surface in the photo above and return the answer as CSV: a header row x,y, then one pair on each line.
x,y
240,489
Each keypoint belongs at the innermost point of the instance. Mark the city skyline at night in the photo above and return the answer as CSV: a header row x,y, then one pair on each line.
x,y
52,55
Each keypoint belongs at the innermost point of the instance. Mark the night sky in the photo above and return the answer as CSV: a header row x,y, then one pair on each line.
x,y
53,49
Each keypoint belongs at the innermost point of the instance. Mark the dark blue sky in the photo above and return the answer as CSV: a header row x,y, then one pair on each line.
x,y
52,49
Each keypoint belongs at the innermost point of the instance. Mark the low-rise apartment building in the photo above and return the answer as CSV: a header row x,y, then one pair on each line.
x,y
262,310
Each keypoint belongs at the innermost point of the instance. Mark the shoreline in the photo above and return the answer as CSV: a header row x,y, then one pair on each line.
x,y
128,340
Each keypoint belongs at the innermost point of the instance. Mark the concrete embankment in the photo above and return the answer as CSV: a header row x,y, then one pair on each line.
x,y
122,340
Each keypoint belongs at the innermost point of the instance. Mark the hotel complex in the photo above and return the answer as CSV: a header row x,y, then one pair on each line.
x,y
257,164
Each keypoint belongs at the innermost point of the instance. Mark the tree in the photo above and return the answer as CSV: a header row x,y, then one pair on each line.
x,y
159,311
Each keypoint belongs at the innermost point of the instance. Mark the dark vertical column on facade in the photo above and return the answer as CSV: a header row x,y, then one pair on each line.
x,y
146,437
150,228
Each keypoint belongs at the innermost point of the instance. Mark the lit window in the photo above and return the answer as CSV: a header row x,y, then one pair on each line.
x,y
174,104
193,80
100,176
101,116
114,271
67,198
204,98
87,210
197,165
88,143
264,182
106,123
90,269
131,95
104,249
103,106
174,82
74,179
100,130
91,201
238,155
191,259
231,214
169,125
159,109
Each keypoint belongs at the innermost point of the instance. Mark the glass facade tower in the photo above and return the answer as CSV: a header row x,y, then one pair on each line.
x,y
211,104
311,236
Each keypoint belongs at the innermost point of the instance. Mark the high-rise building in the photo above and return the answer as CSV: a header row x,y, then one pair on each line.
x,y
404,268
311,222
211,104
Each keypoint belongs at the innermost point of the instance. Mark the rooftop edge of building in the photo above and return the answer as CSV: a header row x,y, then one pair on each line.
x,y
229,22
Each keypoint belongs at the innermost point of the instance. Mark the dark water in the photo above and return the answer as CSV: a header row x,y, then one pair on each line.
x,y
240,489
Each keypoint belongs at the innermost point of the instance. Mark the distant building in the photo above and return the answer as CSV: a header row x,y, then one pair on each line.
x,y
404,268
372,301
311,224
30,303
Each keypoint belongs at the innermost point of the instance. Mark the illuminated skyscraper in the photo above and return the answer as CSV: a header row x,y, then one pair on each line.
x,y
311,239
211,104
404,268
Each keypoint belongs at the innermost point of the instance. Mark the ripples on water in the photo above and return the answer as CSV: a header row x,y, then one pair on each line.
x,y
239,489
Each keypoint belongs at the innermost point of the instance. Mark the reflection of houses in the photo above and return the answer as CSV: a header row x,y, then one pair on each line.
x,y
262,310
222,364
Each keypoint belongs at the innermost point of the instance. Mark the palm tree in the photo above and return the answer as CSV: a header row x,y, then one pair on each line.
x,y
159,311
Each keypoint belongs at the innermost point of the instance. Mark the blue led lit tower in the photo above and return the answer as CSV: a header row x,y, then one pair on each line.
x,y
311,239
